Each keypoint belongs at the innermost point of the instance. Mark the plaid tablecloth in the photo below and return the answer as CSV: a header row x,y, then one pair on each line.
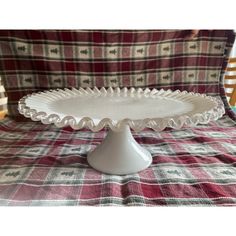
x,y
43,165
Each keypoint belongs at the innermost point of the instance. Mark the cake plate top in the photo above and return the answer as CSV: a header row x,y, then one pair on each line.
x,y
137,108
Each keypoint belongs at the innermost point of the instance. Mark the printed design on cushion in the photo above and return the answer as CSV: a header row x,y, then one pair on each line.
x,y
54,80
104,52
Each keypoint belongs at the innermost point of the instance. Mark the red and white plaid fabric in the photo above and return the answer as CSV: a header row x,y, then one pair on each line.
x,y
43,165
34,60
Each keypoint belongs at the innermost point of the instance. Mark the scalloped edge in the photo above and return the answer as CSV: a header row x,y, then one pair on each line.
x,y
157,124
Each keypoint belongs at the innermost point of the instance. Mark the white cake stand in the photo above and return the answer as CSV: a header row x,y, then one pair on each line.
x,y
120,109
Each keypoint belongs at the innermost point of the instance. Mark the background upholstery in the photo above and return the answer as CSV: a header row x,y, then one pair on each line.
x,y
33,60
43,165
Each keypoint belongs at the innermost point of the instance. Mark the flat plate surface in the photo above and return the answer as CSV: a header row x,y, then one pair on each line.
x,y
118,108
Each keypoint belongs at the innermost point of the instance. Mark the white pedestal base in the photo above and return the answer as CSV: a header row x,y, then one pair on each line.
x,y
119,154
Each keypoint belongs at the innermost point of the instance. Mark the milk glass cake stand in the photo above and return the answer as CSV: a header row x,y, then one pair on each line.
x,y
120,110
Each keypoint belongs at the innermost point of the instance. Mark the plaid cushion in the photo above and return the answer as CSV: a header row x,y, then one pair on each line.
x,y
43,165
33,60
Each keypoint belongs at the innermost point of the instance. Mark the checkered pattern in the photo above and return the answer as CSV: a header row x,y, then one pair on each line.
x,y
34,60
43,165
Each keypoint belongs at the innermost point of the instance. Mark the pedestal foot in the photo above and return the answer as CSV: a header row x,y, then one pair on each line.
x,y
119,154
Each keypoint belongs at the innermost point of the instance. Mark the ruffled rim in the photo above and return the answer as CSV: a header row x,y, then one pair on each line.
x,y
157,124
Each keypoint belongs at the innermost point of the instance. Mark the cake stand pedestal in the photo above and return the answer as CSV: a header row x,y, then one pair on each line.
x,y
119,154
